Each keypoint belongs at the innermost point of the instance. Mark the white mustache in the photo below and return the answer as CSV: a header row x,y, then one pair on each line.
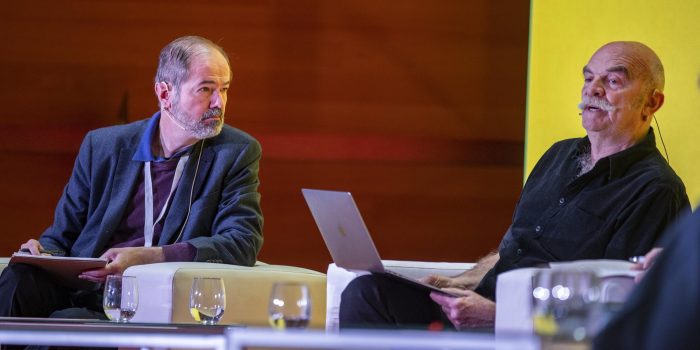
x,y
600,103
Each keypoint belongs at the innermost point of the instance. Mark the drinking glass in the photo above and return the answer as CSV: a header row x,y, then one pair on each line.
x,y
564,303
290,306
120,298
207,299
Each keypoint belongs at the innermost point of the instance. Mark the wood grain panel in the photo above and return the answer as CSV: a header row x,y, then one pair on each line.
x,y
416,107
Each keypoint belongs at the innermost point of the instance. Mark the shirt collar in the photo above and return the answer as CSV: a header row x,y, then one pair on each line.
x,y
620,162
143,152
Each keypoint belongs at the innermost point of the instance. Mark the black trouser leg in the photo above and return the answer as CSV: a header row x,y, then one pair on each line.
x,y
27,291
379,301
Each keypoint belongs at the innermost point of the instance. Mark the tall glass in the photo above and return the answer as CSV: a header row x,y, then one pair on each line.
x,y
290,306
120,298
207,299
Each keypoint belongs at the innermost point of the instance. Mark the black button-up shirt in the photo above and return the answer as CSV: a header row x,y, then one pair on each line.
x,y
616,210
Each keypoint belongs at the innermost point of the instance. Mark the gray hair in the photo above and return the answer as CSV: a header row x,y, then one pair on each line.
x,y
175,58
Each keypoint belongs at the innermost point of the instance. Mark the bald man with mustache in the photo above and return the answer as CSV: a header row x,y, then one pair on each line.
x,y
607,195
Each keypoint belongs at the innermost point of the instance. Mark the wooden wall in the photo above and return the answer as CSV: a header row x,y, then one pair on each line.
x,y
417,107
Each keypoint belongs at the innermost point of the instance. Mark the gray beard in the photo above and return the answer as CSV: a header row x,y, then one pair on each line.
x,y
197,128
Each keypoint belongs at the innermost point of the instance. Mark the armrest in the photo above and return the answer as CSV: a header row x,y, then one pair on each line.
x,y
339,278
514,301
164,291
514,291
3,263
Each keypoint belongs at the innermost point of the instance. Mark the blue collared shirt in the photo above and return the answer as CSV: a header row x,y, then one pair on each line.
x,y
144,153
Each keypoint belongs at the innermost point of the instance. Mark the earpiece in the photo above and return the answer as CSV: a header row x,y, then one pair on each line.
x,y
177,122
661,138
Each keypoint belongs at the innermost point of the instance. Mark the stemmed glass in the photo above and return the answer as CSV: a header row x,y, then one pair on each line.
x,y
207,299
120,298
290,306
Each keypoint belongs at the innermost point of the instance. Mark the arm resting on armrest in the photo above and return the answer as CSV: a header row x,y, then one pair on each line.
x,y
468,279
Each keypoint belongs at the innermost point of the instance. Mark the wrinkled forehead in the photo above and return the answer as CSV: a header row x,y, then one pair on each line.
x,y
619,58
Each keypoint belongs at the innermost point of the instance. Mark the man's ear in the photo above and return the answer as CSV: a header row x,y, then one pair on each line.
x,y
654,102
163,93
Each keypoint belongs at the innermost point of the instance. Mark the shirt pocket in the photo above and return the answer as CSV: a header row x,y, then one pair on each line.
x,y
579,233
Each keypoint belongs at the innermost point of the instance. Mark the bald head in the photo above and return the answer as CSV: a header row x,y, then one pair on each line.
x,y
642,62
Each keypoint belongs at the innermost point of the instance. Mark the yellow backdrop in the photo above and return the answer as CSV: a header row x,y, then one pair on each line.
x,y
564,34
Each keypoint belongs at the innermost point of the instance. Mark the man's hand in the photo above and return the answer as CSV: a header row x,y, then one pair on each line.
x,y
33,247
467,311
442,282
648,261
121,258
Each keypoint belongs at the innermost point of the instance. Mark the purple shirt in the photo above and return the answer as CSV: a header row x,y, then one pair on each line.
x,y
130,230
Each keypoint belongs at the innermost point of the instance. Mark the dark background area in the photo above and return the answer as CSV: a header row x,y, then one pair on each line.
x,y
417,107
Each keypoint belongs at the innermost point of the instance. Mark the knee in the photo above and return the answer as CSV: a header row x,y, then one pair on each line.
x,y
18,276
360,286
366,289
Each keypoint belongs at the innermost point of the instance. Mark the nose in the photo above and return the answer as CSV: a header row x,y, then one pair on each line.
x,y
218,99
594,88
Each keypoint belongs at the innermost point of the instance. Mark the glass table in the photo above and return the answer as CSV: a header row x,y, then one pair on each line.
x,y
95,333
246,338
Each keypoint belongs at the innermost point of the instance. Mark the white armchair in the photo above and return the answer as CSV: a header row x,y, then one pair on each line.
x,y
513,288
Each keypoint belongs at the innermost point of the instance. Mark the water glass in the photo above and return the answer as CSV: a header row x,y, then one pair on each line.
x,y
120,298
564,303
207,300
290,306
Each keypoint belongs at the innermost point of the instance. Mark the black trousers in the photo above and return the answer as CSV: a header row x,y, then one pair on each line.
x,y
375,301
27,291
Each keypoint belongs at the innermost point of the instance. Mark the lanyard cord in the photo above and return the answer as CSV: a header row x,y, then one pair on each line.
x,y
189,205
148,223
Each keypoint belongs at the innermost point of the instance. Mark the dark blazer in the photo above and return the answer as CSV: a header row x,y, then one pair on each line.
x,y
225,219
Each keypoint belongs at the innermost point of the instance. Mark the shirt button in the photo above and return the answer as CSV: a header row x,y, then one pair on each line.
x,y
538,228
561,201
519,251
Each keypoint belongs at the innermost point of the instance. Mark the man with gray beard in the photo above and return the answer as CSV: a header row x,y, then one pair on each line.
x,y
179,186
607,195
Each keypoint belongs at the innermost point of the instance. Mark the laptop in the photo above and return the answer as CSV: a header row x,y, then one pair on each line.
x,y
347,237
